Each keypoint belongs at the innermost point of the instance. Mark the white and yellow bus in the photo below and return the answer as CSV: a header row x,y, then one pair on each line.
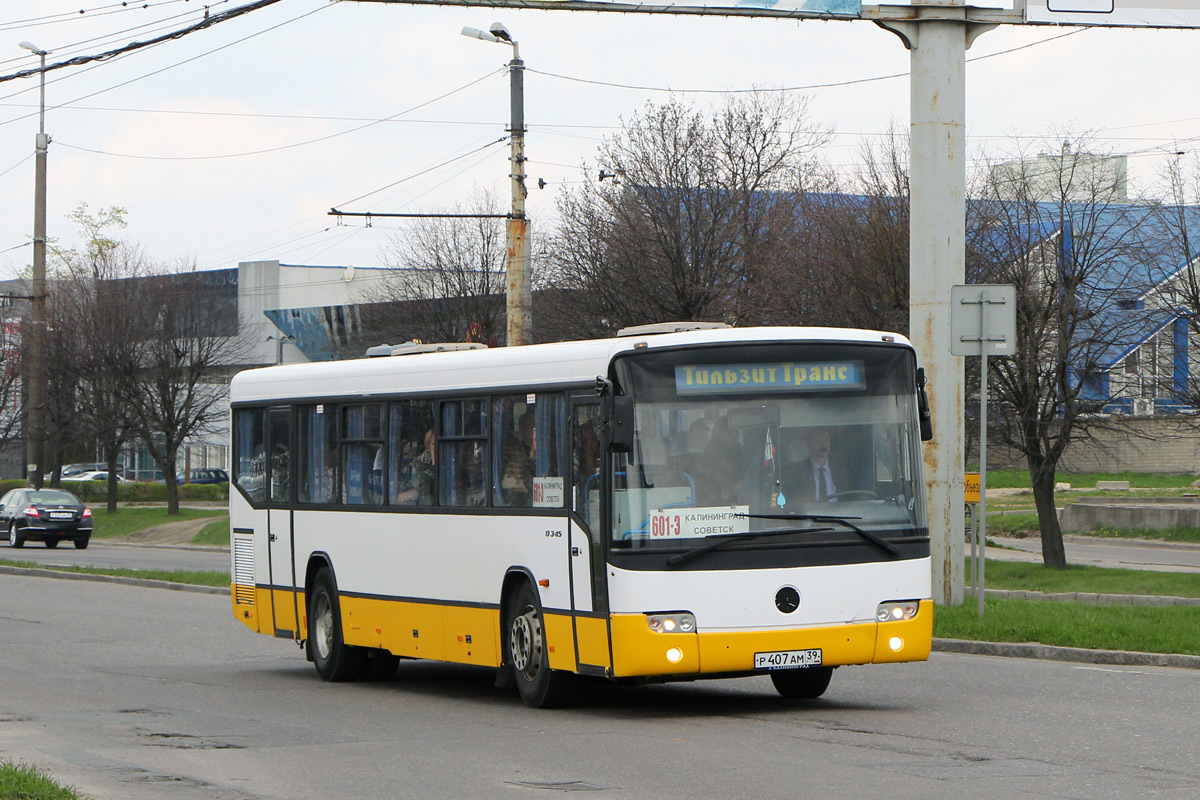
x,y
659,506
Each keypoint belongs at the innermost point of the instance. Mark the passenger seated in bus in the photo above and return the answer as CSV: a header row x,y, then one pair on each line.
x,y
516,483
415,484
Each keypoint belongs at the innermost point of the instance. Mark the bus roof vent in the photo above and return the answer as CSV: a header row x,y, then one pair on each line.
x,y
412,348
669,327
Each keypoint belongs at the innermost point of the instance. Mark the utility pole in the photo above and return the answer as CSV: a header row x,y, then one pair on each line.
x,y
518,297
36,373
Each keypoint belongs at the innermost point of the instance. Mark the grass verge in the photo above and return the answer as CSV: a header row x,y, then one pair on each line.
x,y
1079,578
198,578
1019,479
132,520
1147,629
23,782
1025,526
214,533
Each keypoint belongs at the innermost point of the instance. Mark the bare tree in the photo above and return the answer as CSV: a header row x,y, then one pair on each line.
x,y
188,344
93,339
1177,290
696,215
445,281
1056,226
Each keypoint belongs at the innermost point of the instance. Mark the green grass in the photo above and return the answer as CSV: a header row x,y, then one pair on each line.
x,y
1078,578
1025,526
1148,629
23,782
128,520
169,575
1019,479
214,533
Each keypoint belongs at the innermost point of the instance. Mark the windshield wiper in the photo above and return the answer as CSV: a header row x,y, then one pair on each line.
x,y
723,539
881,543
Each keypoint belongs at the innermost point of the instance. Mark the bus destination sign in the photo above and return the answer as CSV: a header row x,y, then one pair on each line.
x,y
768,377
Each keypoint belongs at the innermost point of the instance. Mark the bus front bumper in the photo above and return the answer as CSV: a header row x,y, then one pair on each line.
x,y
640,652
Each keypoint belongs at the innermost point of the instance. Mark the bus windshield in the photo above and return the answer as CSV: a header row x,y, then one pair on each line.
x,y
768,439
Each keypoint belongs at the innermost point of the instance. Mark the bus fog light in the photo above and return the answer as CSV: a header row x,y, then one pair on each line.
x,y
674,655
675,622
896,610
896,643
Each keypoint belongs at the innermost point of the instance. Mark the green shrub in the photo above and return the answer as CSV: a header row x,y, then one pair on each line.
x,y
97,492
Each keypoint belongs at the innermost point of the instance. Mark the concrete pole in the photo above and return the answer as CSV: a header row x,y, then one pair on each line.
x,y
518,295
937,254
35,418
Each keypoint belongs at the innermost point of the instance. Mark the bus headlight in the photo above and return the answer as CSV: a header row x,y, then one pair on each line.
x,y
671,623
896,610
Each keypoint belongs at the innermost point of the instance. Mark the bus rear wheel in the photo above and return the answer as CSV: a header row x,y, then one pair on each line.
x,y
525,649
802,684
334,659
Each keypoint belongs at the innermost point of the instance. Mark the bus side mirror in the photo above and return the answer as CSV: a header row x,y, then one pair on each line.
x,y
620,425
924,416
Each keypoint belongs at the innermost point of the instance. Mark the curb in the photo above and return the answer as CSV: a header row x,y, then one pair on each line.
x,y
1087,597
83,576
1080,655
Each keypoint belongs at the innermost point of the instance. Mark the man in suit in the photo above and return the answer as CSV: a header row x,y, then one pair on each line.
x,y
813,479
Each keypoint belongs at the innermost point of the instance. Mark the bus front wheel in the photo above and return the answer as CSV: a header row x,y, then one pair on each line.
x,y
802,684
525,649
334,659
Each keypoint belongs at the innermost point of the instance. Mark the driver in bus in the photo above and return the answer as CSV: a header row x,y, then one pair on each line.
x,y
814,479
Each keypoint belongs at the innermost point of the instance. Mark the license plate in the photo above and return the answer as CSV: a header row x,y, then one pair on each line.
x,y
787,659
62,515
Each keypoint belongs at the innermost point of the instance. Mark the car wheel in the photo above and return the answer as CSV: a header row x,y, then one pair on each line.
x,y
526,651
81,544
52,543
14,538
334,659
802,684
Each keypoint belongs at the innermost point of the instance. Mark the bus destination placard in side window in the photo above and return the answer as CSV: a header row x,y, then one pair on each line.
x,y
768,377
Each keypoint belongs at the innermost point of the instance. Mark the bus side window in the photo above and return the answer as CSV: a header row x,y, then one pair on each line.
x,y
411,453
462,466
249,462
317,454
585,478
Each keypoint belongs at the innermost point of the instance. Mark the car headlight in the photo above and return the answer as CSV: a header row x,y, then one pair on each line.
x,y
896,610
675,622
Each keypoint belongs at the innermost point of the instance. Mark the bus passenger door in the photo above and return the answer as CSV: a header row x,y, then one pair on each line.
x,y
589,598
279,523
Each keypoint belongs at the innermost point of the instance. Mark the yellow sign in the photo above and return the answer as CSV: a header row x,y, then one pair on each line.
x,y
971,485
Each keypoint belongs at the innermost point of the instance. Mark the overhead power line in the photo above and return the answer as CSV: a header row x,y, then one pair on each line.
x,y
207,22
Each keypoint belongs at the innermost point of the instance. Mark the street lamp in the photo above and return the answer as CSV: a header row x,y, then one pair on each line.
x,y
519,327
34,435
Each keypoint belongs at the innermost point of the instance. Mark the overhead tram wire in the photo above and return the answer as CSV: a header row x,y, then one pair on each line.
x,y
831,85
263,151
106,39
208,22
92,13
170,66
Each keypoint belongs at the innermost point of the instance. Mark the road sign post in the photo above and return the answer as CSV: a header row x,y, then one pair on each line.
x,y
983,321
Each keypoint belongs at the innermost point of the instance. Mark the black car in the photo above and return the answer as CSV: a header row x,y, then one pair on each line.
x,y
48,515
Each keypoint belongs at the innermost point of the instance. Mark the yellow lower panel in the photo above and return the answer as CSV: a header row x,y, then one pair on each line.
x,y
247,613
639,651
469,635
286,606
405,629
560,641
915,637
592,633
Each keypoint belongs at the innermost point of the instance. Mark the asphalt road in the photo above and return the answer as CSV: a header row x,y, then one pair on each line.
x,y
120,556
138,693
1121,553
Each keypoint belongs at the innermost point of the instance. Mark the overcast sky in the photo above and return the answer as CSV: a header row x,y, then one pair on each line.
x,y
231,144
